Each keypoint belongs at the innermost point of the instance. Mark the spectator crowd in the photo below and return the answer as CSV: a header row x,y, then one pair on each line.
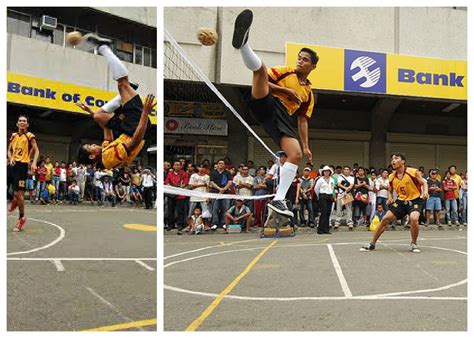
x,y
60,182
329,196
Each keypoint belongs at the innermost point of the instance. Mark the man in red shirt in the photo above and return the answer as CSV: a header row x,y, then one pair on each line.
x,y
42,172
449,187
177,178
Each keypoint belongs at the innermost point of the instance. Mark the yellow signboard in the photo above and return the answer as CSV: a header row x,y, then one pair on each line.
x,y
33,91
381,73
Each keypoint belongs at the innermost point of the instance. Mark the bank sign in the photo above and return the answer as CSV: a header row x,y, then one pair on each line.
x,y
33,91
381,73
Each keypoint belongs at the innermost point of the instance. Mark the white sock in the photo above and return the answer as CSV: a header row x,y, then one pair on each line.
x,y
112,105
287,174
251,60
116,66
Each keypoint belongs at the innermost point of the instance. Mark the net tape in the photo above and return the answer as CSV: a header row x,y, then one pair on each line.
x,y
167,189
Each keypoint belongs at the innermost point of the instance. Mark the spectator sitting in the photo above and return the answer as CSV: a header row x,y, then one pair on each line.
x,y
73,192
135,195
44,196
109,193
238,214
195,222
120,192
378,215
52,191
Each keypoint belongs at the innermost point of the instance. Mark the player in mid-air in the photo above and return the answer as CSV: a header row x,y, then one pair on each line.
x,y
411,188
277,94
22,146
125,114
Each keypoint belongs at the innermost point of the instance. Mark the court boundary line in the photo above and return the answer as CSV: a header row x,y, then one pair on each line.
x,y
62,234
340,275
78,259
363,297
127,325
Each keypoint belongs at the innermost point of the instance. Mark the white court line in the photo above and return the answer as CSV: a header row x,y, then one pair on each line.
x,y
293,299
111,306
62,234
340,275
145,265
210,247
58,264
78,259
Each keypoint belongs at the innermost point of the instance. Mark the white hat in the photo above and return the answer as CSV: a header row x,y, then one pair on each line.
x,y
326,167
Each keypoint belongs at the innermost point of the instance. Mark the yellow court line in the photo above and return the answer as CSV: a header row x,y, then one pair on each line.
x,y
206,313
124,326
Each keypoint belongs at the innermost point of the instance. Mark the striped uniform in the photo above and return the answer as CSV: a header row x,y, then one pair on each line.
x,y
408,190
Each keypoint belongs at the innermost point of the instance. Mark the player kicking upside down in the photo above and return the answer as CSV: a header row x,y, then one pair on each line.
x,y
22,146
411,188
125,114
277,94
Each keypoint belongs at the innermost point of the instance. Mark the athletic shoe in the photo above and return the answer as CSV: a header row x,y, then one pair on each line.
x,y
224,227
241,28
367,247
414,248
13,205
280,207
96,40
214,227
465,224
457,223
21,223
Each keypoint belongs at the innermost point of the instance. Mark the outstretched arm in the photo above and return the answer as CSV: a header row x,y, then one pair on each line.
x,y
142,124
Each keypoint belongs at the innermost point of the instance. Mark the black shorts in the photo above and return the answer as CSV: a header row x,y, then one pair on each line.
x,y
402,208
126,118
18,175
271,115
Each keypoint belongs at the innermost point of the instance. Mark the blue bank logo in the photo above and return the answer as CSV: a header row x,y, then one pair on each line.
x,y
365,71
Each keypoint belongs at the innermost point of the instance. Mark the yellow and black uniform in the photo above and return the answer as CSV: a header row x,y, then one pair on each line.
x,y
115,154
274,111
20,149
408,191
127,117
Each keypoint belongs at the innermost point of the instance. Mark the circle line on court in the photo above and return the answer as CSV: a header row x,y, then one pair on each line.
x,y
62,234
386,296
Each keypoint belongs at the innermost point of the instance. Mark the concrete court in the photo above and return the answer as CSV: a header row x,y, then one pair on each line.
x,y
295,285
76,268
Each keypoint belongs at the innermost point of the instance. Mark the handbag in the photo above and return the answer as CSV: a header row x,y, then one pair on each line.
x,y
346,198
364,198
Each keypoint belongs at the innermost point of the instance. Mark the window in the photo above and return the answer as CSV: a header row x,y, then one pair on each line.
x,y
18,23
82,46
138,55
43,36
147,57
58,35
124,51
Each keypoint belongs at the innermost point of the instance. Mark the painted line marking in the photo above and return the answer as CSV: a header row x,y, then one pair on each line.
x,y
340,274
289,299
210,247
140,227
149,268
124,326
58,264
111,306
62,234
78,259
206,313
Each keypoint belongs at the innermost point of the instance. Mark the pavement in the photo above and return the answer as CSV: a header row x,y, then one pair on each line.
x,y
316,282
82,267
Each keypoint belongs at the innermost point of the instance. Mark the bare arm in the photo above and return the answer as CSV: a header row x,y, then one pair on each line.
x,y
303,132
289,92
11,161
142,124
108,135
424,184
36,151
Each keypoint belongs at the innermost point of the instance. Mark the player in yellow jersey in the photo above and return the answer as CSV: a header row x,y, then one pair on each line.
x,y
22,146
119,152
125,115
411,188
277,94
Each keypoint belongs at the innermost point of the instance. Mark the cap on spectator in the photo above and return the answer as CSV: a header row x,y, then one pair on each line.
x,y
280,153
239,199
307,168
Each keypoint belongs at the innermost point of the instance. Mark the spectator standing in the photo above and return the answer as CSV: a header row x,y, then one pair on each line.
x,y
434,200
345,184
306,184
41,172
147,184
324,190
373,193
199,182
361,185
449,187
49,167
55,175
176,203
220,182
251,166
244,185
81,180
260,189
382,185
62,182
464,198
109,192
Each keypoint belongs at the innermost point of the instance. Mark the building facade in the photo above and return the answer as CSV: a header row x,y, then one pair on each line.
x,y
46,76
348,125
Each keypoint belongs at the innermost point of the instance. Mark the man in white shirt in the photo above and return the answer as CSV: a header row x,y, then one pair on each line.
x,y
147,181
244,185
382,185
345,184
199,182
